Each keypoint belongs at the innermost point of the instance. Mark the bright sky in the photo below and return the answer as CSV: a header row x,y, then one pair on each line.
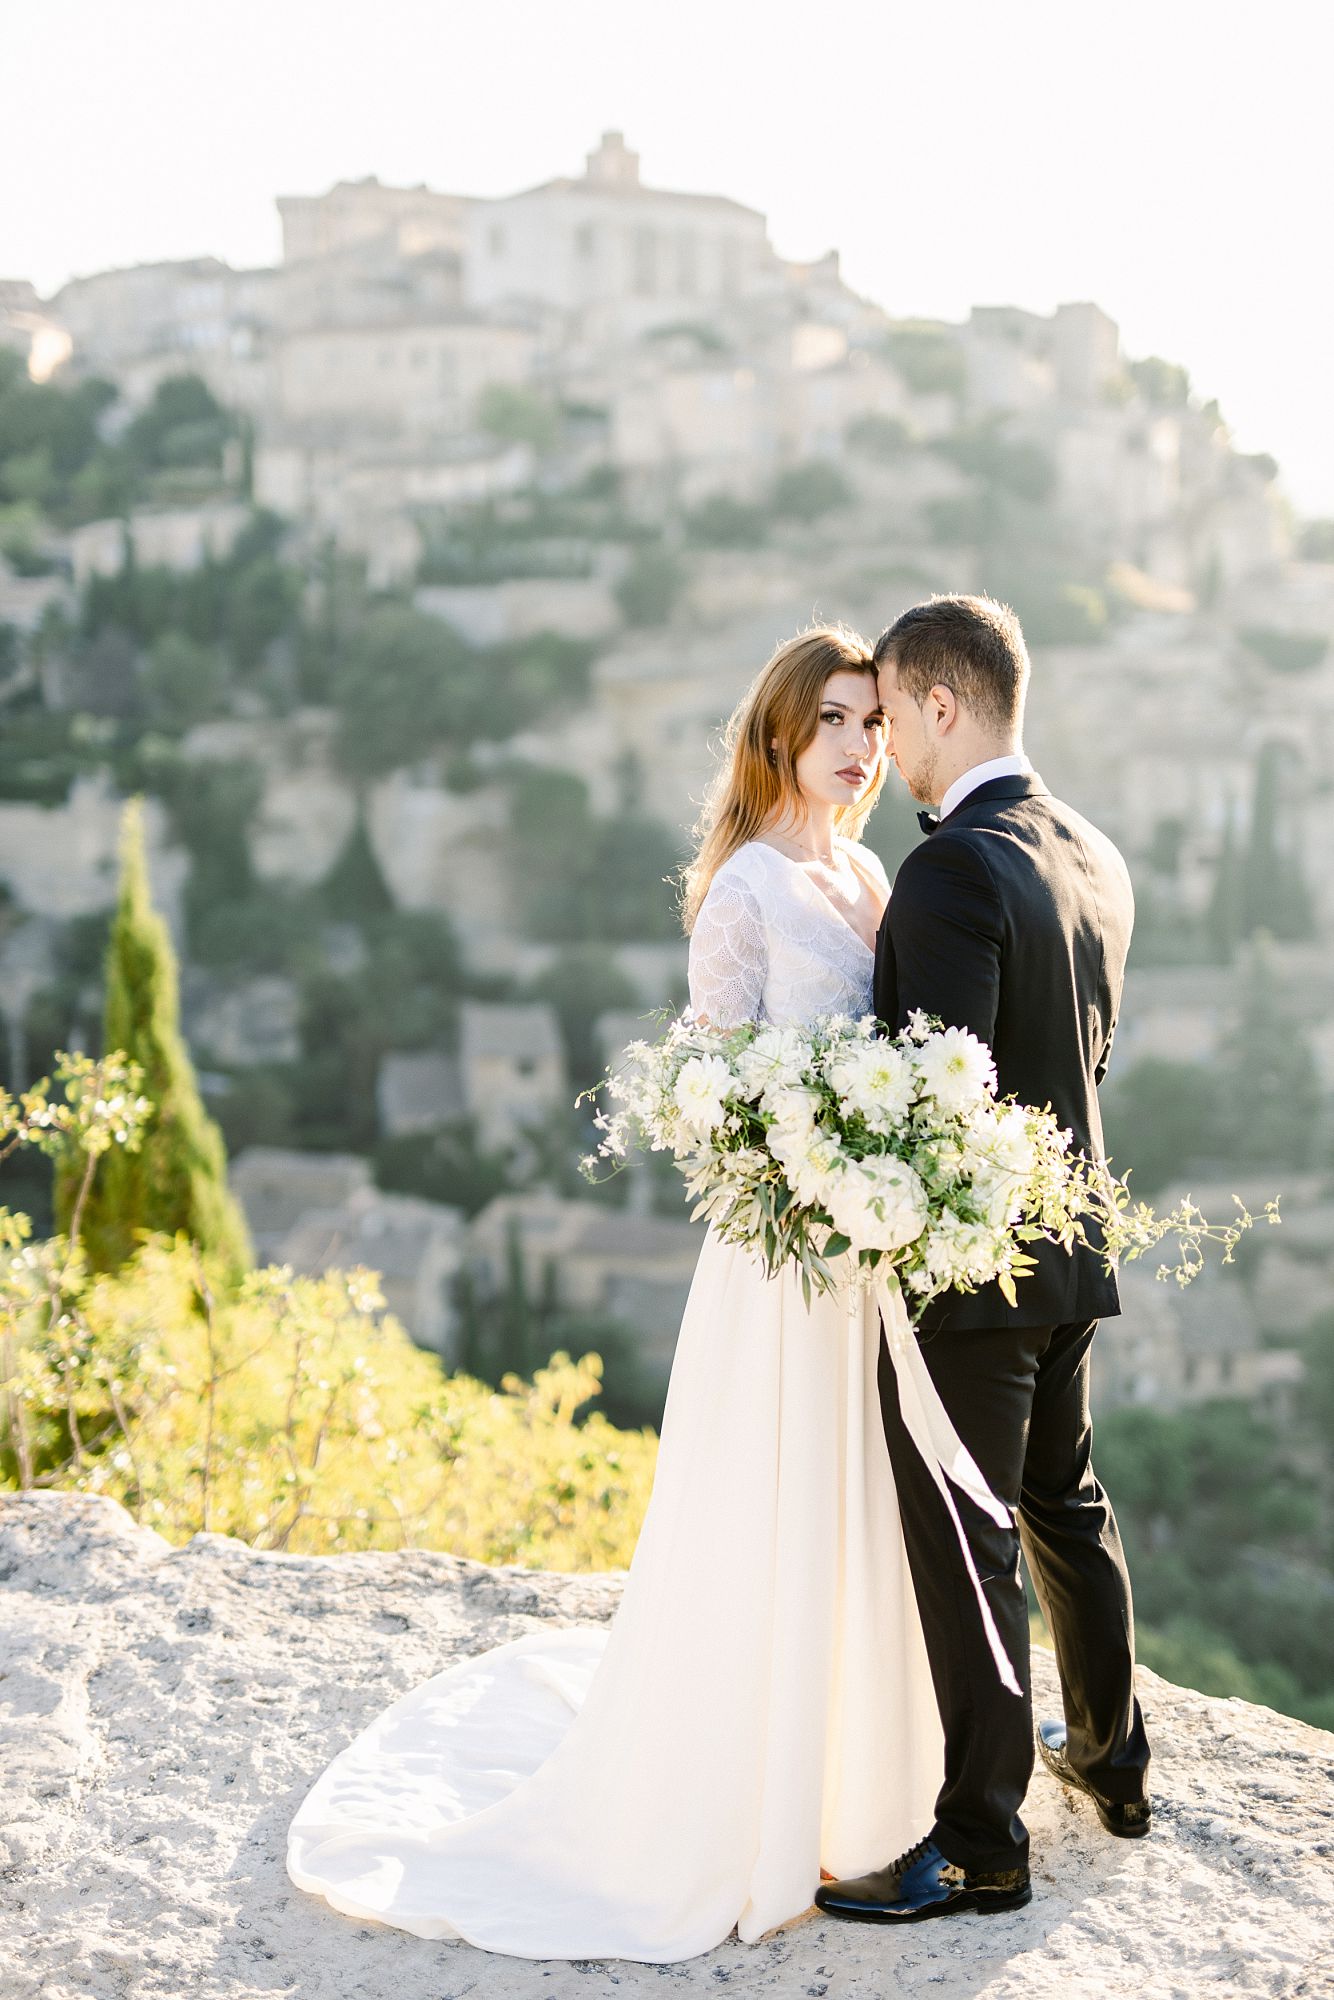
x,y
1169,158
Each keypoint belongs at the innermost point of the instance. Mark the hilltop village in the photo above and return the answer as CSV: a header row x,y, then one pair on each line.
x,y
411,579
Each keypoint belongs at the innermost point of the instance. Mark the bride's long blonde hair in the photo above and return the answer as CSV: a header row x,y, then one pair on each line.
x,y
771,725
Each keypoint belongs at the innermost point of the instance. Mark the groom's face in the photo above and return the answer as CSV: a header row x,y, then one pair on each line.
x,y
911,746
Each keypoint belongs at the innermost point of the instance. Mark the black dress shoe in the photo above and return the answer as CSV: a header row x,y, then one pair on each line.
x,y
922,1883
1131,1821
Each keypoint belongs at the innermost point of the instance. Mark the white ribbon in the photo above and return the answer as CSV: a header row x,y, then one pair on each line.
x,y
944,1454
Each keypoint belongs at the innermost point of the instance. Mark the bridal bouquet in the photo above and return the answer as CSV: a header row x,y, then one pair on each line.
x,y
894,1156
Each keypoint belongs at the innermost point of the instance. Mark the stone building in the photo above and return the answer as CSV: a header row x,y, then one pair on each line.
x,y
512,1065
592,1260
276,1186
604,243
352,215
407,375
195,315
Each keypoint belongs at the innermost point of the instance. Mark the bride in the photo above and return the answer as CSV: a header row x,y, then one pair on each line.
x,y
761,1706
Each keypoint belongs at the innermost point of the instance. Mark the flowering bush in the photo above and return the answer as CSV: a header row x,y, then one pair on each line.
x,y
853,1154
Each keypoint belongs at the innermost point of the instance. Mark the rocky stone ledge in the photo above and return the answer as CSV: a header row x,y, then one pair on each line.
x,y
163,1711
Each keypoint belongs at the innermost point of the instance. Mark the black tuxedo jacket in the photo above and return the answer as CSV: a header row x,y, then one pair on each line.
x,y
1013,919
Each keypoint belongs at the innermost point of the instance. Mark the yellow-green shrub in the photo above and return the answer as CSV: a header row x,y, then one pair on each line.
x,y
282,1410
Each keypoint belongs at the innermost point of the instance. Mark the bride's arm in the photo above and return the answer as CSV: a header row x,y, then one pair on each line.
x,y
728,956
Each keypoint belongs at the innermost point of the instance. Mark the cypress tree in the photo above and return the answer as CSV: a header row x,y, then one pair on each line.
x,y
178,1178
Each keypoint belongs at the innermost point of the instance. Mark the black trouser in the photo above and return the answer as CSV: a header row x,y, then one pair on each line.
x,y
1018,1398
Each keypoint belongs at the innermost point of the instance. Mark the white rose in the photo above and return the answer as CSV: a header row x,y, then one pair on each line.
x,y
878,1204
956,1069
793,1110
699,1093
812,1163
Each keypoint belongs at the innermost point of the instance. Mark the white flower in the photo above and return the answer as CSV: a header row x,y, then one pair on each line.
x,y
878,1204
919,1025
812,1162
956,1069
959,1252
700,1091
1010,1145
874,1081
793,1110
777,1056
999,1196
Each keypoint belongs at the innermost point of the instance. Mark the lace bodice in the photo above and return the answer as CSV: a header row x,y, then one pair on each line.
x,y
769,945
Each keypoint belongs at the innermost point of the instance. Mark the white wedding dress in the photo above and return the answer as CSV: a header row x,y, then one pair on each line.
x,y
761,1705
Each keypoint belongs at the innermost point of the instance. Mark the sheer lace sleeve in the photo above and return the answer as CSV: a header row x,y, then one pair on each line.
x,y
728,955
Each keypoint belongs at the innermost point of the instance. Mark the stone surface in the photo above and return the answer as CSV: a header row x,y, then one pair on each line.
x,y
163,1711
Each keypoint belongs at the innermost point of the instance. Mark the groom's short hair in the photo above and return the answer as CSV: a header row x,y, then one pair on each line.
x,y
972,645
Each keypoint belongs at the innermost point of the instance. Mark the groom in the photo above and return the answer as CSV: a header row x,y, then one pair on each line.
x,y
1012,919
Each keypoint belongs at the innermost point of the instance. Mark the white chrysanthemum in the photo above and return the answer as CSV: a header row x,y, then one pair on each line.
x,y
874,1081
700,1092
878,1204
956,1069
775,1058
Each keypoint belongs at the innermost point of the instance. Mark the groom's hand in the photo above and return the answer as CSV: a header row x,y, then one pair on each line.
x,y
944,922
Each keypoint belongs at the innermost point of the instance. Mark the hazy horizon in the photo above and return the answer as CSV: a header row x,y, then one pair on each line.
x,y
1163,165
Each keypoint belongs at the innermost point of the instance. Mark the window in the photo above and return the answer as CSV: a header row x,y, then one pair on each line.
x,y
585,240
687,263
495,240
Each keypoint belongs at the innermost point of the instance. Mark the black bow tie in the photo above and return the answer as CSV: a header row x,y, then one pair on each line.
x,y
928,822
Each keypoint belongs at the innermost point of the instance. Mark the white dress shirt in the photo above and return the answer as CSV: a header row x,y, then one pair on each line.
x,y
1017,766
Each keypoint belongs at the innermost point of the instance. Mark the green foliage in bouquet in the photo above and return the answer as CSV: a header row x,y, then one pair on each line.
x,y
176,1178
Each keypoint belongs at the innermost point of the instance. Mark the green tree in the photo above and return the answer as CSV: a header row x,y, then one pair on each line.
x,y
927,355
1285,652
184,424
1316,542
407,683
809,491
1161,1119
581,984
1273,894
1270,1096
1013,465
183,682
650,587
878,436
1165,384
519,416
177,1180
722,522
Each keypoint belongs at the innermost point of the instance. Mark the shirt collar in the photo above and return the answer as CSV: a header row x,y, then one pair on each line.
x,y
1016,766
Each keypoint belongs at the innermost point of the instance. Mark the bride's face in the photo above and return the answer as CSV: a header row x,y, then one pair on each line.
x,y
843,758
